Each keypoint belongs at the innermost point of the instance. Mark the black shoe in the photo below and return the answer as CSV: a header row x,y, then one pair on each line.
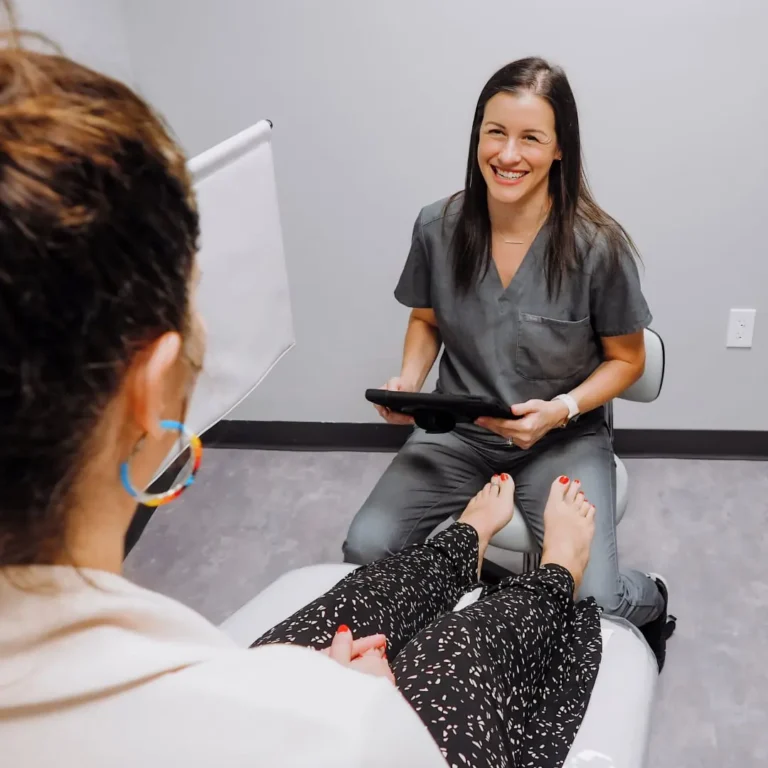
x,y
658,631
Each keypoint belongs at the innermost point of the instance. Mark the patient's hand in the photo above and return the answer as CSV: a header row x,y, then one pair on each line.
x,y
366,654
373,664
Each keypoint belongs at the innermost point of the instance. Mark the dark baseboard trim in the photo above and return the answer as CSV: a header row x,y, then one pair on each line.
x,y
327,436
143,514
306,436
692,444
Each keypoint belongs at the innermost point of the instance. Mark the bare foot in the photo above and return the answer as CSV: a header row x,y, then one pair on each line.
x,y
490,511
569,524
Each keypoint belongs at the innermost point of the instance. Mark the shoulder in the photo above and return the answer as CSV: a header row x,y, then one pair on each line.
x,y
302,683
248,704
603,246
291,672
292,687
435,225
440,212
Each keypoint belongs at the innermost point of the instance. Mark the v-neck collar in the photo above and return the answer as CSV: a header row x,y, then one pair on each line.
x,y
527,259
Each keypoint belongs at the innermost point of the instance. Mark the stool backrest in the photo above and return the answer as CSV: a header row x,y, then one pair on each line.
x,y
648,387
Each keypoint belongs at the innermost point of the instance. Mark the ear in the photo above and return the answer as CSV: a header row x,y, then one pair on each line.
x,y
558,154
153,382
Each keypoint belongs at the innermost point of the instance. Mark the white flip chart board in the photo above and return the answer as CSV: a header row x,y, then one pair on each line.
x,y
243,293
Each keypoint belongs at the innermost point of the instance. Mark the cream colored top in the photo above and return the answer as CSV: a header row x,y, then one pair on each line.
x,y
96,672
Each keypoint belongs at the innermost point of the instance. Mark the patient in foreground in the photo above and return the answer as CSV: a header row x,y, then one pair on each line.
x,y
100,345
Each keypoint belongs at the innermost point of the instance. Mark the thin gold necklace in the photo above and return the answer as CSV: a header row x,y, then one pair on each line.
x,y
528,234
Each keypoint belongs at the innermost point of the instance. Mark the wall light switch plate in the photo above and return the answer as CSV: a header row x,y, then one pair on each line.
x,y
741,327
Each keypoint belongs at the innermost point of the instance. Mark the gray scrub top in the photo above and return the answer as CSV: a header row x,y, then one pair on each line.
x,y
517,344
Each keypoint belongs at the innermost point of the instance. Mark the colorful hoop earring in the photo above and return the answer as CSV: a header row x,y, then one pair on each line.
x,y
157,499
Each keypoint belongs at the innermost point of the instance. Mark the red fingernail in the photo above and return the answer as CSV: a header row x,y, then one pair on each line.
x,y
564,480
342,628
577,481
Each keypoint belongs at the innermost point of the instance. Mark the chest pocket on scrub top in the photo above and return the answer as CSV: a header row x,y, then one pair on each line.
x,y
549,349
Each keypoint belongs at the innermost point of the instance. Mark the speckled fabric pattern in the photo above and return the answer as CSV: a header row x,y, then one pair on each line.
x,y
506,681
398,596
502,682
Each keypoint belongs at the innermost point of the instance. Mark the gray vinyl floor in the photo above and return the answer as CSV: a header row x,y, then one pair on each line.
x,y
254,515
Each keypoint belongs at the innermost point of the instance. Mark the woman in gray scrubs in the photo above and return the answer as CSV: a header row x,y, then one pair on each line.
x,y
533,292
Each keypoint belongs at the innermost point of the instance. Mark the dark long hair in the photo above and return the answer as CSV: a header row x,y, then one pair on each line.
x,y
573,207
98,231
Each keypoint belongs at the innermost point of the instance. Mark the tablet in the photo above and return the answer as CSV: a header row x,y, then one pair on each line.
x,y
437,412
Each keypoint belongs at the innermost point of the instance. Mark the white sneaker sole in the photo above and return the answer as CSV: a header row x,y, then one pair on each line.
x,y
661,578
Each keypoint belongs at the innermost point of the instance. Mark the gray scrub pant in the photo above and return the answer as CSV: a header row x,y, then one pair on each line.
x,y
435,475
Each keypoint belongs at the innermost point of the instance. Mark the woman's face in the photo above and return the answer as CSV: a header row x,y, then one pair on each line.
x,y
517,146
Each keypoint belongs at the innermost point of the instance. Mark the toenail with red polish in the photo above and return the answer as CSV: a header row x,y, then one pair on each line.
x,y
505,477
564,480
343,628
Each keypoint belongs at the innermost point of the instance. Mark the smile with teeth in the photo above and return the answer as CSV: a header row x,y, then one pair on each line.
x,y
509,175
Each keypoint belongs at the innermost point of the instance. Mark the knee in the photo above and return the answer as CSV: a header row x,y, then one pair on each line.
x,y
609,597
371,536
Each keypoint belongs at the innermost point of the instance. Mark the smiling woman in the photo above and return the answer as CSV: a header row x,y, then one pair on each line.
x,y
534,292
526,122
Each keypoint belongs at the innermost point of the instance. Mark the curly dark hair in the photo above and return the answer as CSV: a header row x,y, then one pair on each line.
x,y
98,233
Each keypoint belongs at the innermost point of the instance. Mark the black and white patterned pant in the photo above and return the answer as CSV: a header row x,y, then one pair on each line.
x,y
502,682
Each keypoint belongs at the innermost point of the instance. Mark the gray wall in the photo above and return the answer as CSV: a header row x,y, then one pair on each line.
x,y
90,31
372,105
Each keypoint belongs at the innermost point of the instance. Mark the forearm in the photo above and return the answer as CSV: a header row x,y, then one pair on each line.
x,y
607,382
422,344
538,417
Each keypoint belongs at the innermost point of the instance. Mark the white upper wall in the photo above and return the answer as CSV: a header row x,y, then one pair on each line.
x,y
372,105
89,31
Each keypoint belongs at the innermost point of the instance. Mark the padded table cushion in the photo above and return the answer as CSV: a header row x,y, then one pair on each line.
x,y
614,733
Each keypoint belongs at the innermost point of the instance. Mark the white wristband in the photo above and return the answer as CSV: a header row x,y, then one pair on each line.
x,y
573,406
